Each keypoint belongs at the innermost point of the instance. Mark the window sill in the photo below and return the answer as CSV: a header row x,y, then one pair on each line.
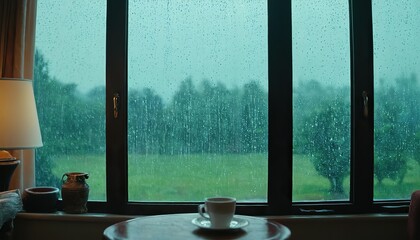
x,y
104,217
66,217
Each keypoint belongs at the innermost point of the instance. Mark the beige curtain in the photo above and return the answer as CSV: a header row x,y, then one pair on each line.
x,y
17,36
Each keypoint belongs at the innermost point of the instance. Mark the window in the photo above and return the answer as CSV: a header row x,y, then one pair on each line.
x,y
197,100
270,102
397,91
69,85
321,100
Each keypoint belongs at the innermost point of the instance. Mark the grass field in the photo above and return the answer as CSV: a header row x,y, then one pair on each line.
x,y
193,177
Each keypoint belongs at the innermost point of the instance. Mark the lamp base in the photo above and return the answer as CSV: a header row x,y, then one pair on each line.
x,y
7,167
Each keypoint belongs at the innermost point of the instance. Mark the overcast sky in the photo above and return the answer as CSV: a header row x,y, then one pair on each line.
x,y
221,42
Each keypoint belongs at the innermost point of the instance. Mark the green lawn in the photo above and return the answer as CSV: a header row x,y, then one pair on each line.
x,y
410,183
193,177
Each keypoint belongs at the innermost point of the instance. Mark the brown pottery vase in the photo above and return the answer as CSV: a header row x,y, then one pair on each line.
x,y
75,192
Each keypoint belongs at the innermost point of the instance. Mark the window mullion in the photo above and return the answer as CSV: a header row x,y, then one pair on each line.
x,y
116,127
280,106
362,108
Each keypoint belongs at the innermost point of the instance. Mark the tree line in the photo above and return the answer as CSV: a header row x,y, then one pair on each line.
x,y
209,118
199,119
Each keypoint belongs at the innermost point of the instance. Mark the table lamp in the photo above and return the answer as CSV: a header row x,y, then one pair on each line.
x,y
19,127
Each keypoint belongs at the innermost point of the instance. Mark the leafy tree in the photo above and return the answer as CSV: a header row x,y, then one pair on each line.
x,y
43,173
254,118
183,113
134,116
234,128
94,119
305,95
417,146
326,136
396,128
214,118
145,122
43,82
70,122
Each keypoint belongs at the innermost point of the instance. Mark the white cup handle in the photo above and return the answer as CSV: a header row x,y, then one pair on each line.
x,y
201,211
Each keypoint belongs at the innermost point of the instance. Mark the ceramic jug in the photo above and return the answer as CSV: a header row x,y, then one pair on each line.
x,y
75,192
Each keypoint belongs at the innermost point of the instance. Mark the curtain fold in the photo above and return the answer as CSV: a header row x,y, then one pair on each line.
x,y
17,41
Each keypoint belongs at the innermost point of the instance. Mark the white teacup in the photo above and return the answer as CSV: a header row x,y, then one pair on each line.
x,y
219,210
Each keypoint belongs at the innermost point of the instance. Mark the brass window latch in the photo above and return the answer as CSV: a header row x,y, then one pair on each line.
x,y
365,104
116,101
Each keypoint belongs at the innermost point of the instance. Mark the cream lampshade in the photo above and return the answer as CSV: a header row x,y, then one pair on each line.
x,y
19,127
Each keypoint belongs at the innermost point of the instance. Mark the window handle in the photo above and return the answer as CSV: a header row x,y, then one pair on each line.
x,y
365,104
116,101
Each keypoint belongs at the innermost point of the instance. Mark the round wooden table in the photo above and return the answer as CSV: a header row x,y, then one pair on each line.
x,y
180,226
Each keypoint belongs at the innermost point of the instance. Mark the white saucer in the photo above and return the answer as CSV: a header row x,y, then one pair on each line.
x,y
204,223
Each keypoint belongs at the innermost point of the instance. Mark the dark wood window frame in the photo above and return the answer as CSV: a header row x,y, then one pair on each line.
x,y
280,121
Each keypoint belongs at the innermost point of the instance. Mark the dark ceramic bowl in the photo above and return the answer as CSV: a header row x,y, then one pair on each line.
x,y
40,199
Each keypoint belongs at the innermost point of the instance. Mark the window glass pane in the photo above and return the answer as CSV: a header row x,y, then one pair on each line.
x,y
321,100
396,34
197,100
69,85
